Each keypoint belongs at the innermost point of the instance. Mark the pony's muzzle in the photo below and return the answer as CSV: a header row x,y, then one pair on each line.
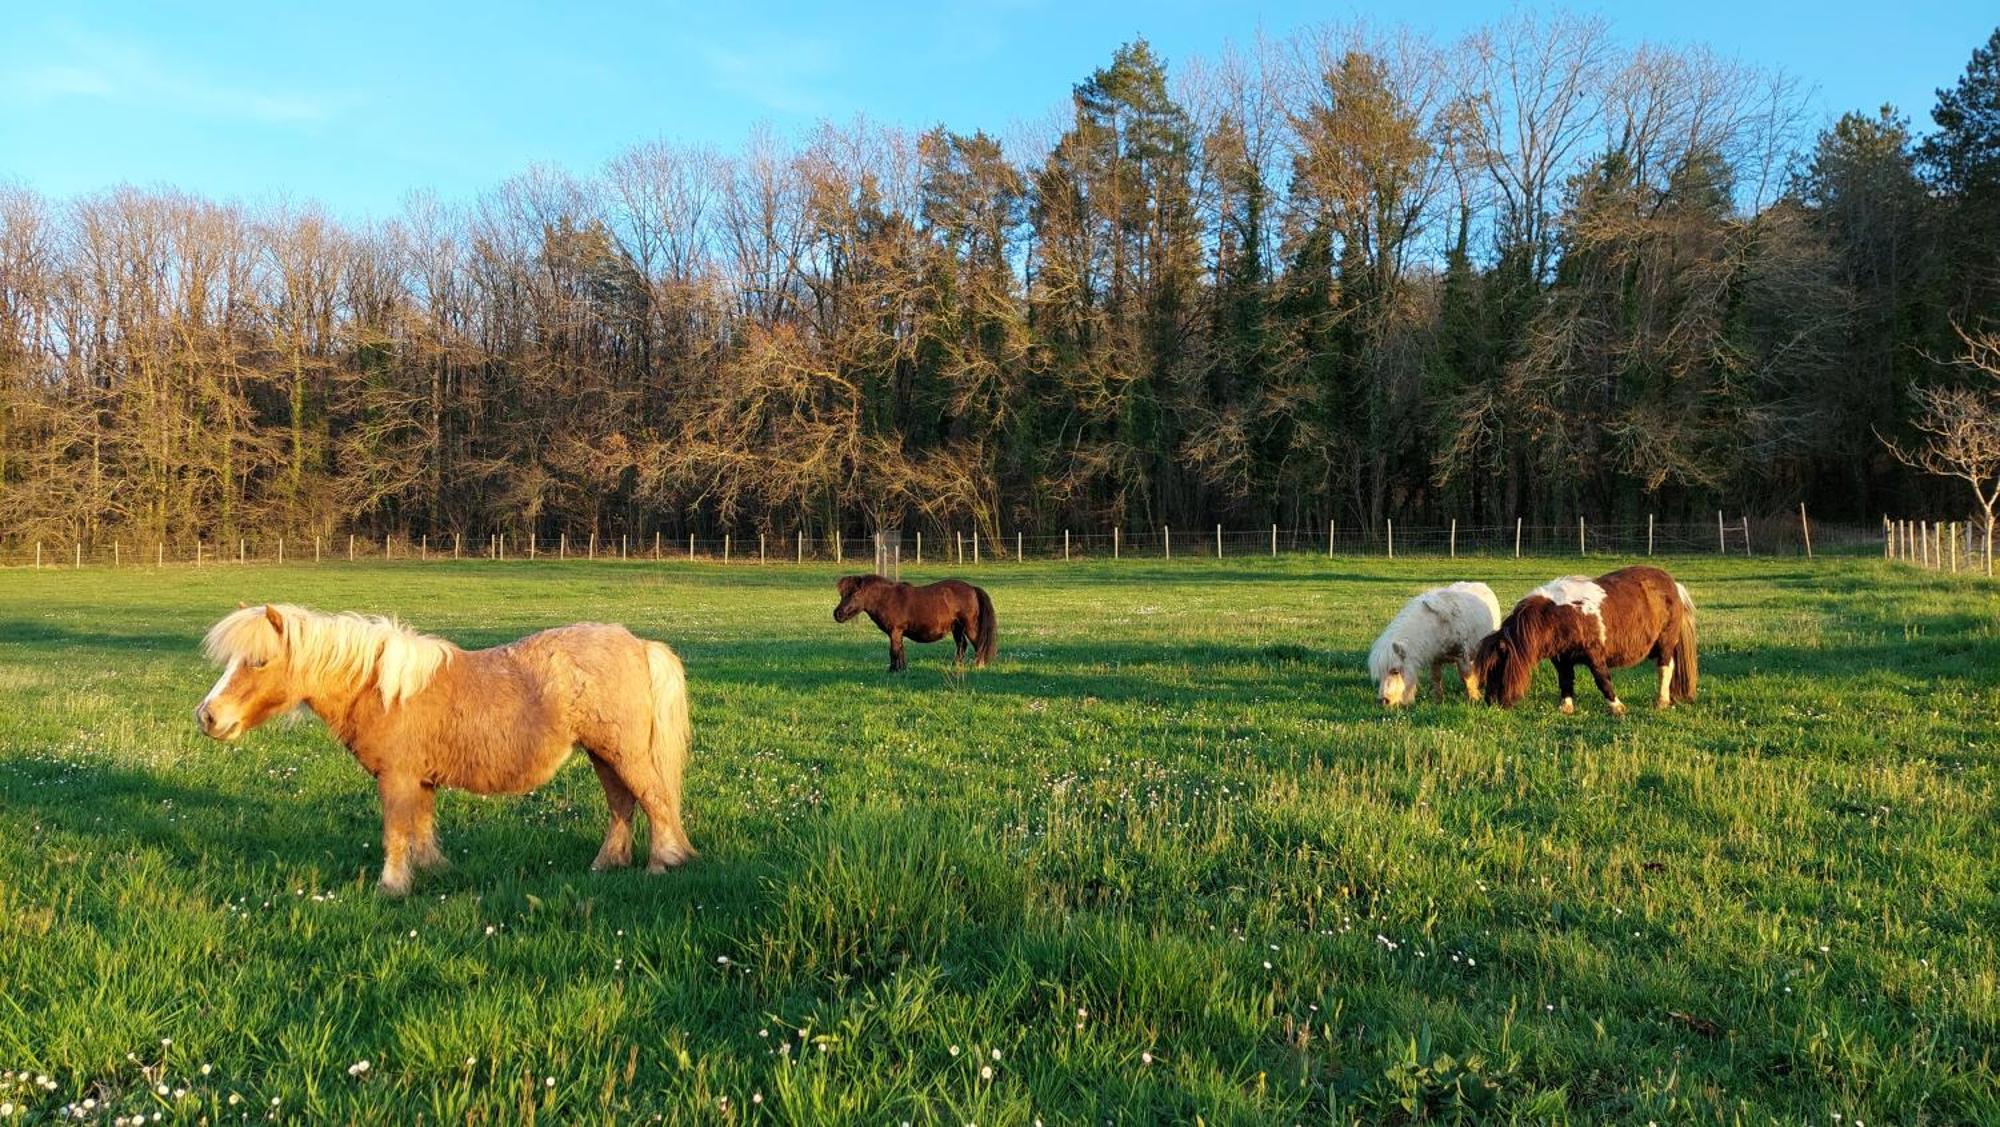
x,y
205,720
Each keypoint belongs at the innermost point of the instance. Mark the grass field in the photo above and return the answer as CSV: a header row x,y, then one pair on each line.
x,y
1167,859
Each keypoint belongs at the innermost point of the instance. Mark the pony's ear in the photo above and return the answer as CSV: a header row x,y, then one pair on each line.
x,y
1431,606
241,605
1400,651
276,620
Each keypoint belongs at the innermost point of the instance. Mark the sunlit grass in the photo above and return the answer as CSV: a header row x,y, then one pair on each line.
x,y
1167,859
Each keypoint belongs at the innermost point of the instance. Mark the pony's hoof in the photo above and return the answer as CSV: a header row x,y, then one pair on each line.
x,y
1617,708
672,859
1663,704
1569,707
394,889
605,864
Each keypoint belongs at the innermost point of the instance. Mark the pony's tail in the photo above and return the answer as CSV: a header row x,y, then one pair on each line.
x,y
673,731
1686,661
989,629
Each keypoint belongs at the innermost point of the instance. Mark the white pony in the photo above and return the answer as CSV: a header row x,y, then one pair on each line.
x,y
1440,625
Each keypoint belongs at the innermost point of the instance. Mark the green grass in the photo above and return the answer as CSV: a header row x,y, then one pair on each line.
x,y
1167,860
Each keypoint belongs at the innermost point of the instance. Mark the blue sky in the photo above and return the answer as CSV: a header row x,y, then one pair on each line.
x,y
356,103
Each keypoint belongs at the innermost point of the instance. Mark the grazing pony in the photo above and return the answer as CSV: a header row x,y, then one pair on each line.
x,y
1441,625
923,614
1603,624
419,713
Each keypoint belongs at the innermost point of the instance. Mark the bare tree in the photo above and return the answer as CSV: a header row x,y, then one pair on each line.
x,y
1961,429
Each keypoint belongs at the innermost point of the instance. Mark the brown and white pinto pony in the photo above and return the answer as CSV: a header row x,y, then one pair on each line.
x,y
420,713
1602,624
923,614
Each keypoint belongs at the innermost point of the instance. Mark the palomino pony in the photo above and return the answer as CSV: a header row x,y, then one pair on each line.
x,y
1602,624
923,614
419,713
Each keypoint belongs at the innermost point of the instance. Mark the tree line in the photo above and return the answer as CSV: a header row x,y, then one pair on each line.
x,y
1354,274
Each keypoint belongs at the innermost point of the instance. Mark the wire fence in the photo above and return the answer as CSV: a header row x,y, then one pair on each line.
x,y
1937,545
1739,536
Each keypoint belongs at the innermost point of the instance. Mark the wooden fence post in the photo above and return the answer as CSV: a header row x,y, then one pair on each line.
x,y
315,549
656,545
920,546
1721,545
38,555
457,545
802,545
1167,541
1392,537
562,546
350,548
1274,541
1019,554
1454,538
1649,534
114,552
1805,529
1331,528
760,548
281,551
958,539
975,547
725,547
1218,541
1065,544
624,545
1923,543
1582,548
1517,538
1115,537
690,547
1746,534
593,543
1954,548
79,555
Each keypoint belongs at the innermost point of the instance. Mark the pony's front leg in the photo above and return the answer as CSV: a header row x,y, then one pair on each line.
x,y
1470,675
403,798
1566,681
1605,686
896,662
1437,681
425,853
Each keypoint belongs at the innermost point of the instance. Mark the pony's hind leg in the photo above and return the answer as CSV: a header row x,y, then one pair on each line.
x,y
637,776
1665,698
1566,681
616,852
959,642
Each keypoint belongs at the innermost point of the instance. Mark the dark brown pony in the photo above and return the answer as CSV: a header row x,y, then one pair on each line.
x,y
922,614
1602,624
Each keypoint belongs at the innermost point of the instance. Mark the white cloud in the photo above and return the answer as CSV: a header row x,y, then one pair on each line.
x,y
778,72
95,68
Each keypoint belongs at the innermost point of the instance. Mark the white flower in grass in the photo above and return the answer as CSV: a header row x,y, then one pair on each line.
x,y
274,1101
996,1054
1145,1058
160,1089
756,1097
986,1072
549,1082
235,1098
207,1068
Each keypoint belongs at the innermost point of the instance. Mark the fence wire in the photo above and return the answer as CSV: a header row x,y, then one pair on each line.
x,y
1772,537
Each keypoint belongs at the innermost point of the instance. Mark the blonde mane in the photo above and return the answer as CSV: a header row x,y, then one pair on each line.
x,y
349,648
